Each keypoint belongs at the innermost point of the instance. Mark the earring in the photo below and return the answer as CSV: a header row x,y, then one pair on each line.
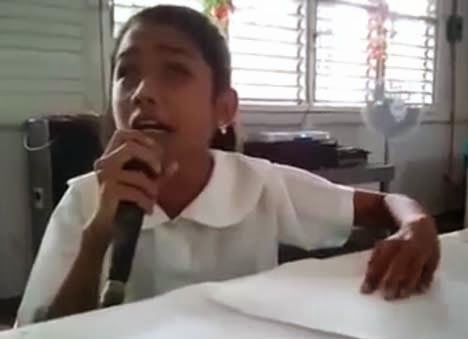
x,y
223,129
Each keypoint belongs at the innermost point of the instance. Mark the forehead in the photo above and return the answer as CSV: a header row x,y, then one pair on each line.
x,y
147,38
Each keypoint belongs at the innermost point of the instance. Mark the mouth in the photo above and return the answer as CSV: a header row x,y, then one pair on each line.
x,y
152,126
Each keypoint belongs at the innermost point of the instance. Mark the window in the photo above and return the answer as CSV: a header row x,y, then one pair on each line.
x,y
345,75
268,46
124,9
311,54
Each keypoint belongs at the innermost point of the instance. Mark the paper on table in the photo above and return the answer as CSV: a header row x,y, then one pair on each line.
x,y
324,295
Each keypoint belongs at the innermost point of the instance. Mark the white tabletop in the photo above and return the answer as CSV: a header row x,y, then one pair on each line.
x,y
189,313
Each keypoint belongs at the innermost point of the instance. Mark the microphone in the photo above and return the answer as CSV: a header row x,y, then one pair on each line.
x,y
127,226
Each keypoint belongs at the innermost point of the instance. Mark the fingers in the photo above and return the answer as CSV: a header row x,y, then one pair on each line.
x,y
404,263
116,159
414,277
409,272
396,280
122,136
427,275
378,264
131,194
140,181
117,192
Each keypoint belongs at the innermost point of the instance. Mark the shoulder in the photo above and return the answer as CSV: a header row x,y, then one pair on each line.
x,y
294,175
236,187
242,163
248,176
249,171
304,188
76,206
85,184
84,191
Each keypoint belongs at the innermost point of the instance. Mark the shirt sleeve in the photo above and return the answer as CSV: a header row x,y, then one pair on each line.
x,y
58,250
312,212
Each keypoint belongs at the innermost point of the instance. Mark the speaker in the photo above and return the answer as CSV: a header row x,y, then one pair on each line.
x,y
59,148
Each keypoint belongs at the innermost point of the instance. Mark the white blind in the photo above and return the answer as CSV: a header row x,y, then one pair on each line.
x,y
42,48
124,9
268,46
345,76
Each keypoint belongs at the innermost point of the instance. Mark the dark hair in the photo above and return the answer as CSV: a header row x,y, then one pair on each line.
x,y
201,32
206,37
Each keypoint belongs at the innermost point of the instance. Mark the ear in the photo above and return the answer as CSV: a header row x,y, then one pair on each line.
x,y
226,106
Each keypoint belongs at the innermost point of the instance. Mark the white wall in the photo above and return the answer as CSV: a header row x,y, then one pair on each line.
x,y
49,63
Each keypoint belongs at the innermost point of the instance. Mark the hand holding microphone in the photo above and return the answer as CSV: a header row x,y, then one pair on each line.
x,y
130,173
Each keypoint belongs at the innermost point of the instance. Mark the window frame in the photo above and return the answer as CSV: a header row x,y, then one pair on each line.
x,y
438,107
437,111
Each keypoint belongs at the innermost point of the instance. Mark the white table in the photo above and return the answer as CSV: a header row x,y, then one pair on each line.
x,y
187,313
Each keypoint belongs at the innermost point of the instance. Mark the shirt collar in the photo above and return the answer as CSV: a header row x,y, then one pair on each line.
x,y
233,191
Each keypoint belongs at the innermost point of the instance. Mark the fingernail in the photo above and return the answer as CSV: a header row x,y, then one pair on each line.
x,y
405,293
366,288
390,294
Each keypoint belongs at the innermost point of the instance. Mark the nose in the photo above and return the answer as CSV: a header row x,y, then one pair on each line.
x,y
145,94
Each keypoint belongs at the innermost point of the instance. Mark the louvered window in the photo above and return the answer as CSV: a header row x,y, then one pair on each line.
x,y
344,73
124,9
268,46
42,52
277,62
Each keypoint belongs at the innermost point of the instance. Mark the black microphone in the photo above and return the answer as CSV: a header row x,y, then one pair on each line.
x,y
127,226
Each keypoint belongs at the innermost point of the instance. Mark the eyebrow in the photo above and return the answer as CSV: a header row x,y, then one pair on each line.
x,y
165,48
174,50
127,52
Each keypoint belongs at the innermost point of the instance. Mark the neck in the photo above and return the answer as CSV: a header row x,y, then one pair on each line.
x,y
189,181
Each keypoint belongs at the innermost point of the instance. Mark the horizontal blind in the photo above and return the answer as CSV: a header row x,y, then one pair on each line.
x,y
345,75
41,57
268,47
124,9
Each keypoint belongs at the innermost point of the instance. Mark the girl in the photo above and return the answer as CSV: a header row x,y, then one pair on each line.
x,y
211,215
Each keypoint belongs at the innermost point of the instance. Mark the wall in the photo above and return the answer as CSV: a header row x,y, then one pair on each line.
x,y
49,62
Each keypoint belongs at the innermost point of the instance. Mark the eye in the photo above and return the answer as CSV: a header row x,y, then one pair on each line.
x,y
126,71
177,69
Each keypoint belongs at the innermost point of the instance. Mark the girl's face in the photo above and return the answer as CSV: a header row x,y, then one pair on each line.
x,y
161,81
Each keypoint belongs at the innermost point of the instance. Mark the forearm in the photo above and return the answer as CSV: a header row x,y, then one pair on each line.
x,y
80,289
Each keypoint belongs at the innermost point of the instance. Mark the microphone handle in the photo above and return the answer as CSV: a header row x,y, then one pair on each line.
x,y
128,222
127,226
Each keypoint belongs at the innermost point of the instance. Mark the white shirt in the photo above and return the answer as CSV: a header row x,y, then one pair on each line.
x,y
230,230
